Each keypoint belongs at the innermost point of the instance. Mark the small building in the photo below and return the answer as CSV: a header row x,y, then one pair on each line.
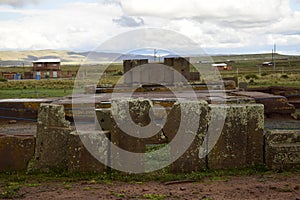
x,y
11,75
46,68
267,64
221,66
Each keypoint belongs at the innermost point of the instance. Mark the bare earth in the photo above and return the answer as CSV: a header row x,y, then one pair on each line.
x,y
284,186
273,186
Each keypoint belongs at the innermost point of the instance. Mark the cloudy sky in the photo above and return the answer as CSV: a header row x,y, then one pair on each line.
x,y
219,26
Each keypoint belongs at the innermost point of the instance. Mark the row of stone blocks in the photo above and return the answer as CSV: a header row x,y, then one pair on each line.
x,y
240,143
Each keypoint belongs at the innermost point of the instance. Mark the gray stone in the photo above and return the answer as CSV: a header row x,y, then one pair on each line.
x,y
132,76
241,141
183,113
273,104
16,152
121,130
87,152
51,138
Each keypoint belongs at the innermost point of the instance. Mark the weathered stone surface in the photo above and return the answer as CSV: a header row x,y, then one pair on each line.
x,y
241,141
273,104
181,65
51,138
282,150
233,78
16,152
194,76
183,113
90,89
132,76
21,108
243,85
229,84
87,152
125,122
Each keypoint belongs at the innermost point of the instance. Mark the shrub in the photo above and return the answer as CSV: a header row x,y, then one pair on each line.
x,y
252,82
251,76
284,76
119,73
3,80
264,74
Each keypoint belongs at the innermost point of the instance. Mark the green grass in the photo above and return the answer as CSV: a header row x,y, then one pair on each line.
x,y
33,177
12,182
32,93
287,73
11,191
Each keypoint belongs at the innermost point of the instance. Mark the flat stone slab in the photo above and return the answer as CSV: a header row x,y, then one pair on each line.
x,y
274,104
21,109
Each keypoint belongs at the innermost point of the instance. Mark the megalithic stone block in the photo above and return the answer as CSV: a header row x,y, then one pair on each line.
x,y
240,143
121,130
282,149
87,152
132,76
51,138
15,152
182,122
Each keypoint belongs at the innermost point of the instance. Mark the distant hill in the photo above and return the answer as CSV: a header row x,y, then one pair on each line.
x,y
18,58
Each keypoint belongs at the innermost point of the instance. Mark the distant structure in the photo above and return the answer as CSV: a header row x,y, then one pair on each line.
x,y
221,66
159,76
46,68
267,64
11,75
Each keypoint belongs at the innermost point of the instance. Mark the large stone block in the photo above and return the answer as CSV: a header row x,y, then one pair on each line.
x,y
240,141
16,152
131,75
51,138
181,65
87,152
125,121
185,129
282,149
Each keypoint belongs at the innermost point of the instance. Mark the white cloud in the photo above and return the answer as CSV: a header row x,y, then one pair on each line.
x,y
127,21
74,26
230,10
222,24
214,24
18,3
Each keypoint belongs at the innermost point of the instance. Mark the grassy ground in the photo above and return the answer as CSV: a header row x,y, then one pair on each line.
x,y
34,93
246,67
12,182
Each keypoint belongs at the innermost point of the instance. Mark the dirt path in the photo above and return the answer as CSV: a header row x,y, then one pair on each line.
x,y
274,186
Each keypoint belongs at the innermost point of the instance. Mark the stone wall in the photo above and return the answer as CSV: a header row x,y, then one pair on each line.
x,y
240,142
